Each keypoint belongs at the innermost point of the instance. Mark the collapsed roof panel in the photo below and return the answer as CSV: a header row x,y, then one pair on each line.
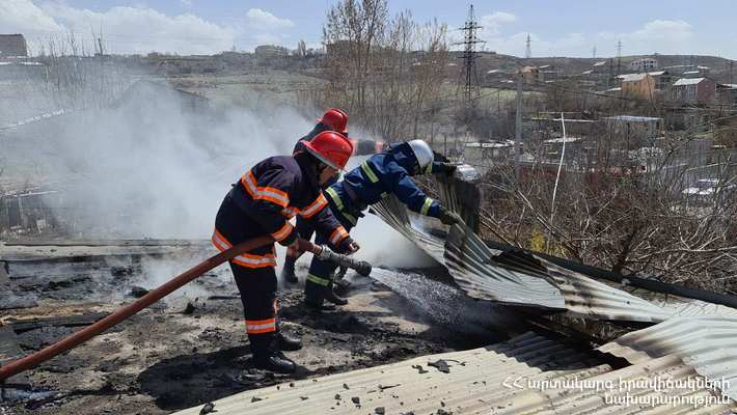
x,y
529,374
518,279
514,277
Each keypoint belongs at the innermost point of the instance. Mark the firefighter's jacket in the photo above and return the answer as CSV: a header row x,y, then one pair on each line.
x,y
386,173
280,188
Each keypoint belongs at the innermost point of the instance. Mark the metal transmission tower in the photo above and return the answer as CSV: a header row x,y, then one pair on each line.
x,y
528,50
619,57
469,56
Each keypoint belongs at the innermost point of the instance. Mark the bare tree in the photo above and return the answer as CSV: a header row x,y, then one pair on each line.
x,y
386,71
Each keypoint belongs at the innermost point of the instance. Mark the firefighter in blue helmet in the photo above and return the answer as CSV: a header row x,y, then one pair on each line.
x,y
263,202
384,173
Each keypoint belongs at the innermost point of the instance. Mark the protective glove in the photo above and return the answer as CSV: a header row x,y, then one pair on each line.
x,y
449,218
349,246
448,168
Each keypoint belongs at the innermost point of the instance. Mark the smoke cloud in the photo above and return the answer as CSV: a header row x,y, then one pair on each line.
x,y
152,167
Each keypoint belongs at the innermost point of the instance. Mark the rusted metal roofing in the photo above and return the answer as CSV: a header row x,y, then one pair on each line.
x,y
706,343
529,374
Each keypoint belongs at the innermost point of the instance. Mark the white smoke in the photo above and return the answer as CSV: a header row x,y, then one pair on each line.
x,y
152,168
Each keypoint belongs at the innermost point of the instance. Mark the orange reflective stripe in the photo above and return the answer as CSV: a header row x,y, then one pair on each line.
x,y
290,211
255,261
220,242
314,207
244,260
261,326
283,232
338,235
249,182
271,194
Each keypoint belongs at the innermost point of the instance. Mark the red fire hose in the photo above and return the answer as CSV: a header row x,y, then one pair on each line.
x,y
127,311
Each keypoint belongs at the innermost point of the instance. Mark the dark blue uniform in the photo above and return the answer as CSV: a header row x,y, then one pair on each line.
x,y
380,175
263,202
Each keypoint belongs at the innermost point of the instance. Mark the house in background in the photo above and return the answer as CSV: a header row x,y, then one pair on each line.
x,y
640,85
727,94
13,46
644,65
663,79
269,51
693,91
531,74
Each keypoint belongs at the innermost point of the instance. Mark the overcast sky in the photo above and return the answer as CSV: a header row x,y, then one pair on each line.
x,y
557,28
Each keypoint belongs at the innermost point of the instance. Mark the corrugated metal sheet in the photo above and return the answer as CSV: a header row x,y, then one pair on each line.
x,y
474,267
520,278
588,298
529,374
516,277
706,343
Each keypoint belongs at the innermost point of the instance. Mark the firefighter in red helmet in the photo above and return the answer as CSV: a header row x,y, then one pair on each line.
x,y
262,202
333,119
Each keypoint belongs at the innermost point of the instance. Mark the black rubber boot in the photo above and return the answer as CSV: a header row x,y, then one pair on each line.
x,y
287,273
288,343
266,355
341,287
274,362
315,297
331,297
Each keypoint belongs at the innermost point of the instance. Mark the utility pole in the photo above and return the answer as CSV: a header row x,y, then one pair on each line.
x,y
518,127
470,86
528,50
619,57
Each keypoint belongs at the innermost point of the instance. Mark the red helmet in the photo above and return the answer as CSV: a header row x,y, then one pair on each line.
x,y
336,119
331,148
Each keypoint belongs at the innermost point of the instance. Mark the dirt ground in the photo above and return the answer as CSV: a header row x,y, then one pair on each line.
x,y
192,349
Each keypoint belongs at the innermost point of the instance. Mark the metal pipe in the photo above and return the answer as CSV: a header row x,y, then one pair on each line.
x,y
326,254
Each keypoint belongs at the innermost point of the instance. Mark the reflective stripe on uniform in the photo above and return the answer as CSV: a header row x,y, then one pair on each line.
x,y
220,242
338,235
261,326
255,261
271,194
336,198
369,172
339,204
318,280
244,260
283,232
426,206
290,212
428,169
314,207
350,218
